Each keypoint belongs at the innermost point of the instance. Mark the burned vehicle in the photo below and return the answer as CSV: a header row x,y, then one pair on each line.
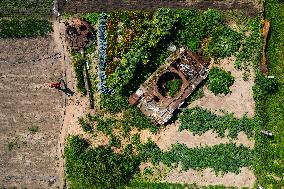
x,y
152,98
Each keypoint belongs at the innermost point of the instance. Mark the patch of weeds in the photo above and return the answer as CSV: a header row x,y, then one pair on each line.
x,y
113,103
219,81
135,139
85,126
173,86
114,141
224,42
33,129
199,121
12,144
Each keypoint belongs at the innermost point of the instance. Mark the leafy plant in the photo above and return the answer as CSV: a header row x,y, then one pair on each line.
x,y
33,129
79,72
99,167
92,18
219,81
173,86
198,121
223,42
85,126
113,103
135,118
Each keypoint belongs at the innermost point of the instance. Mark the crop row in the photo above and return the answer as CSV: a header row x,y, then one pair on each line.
x,y
30,27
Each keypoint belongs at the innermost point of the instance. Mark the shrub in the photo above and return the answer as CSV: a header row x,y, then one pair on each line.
x,y
113,103
99,167
33,129
79,72
173,86
135,118
92,18
219,81
224,42
85,126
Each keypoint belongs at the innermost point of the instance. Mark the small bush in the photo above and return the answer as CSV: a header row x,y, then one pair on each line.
x,y
79,71
224,42
173,86
113,103
135,118
33,129
85,126
219,81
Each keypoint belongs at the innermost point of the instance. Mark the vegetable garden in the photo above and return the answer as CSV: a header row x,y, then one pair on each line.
x,y
131,46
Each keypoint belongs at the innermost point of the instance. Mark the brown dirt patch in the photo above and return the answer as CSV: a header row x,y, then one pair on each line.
x,y
207,177
239,102
26,100
170,135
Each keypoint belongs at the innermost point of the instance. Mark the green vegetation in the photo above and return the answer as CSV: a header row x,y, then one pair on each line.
x,y
221,158
196,30
78,65
173,86
29,27
25,7
198,121
91,18
269,151
33,129
224,42
85,126
113,103
100,167
219,81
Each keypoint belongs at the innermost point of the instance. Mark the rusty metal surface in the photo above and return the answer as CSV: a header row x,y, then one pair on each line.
x,y
78,34
148,97
265,31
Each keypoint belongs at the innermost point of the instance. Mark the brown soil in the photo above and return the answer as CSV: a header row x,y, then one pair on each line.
x,y
170,135
207,177
26,100
239,102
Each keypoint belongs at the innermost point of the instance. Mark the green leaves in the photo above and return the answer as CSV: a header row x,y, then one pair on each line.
x,y
221,158
99,167
223,42
198,121
173,86
219,81
29,27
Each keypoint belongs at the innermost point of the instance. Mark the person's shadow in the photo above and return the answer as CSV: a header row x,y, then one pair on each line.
x,y
65,89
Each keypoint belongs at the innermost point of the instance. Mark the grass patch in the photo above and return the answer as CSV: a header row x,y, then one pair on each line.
x,y
270,157
33,129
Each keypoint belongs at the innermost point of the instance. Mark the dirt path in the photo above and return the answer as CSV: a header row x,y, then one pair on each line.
x,y
207,177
